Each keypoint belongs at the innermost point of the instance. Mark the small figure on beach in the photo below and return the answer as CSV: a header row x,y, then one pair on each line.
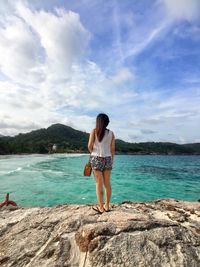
x,y
101,145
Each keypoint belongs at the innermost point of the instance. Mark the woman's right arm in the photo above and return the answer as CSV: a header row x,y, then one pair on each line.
x,y
112,146
91,140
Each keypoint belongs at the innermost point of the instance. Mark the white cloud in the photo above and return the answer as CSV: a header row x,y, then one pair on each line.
x,y
183,9
20,125
35,44
147,131
38,50
19,51
158,23
166,115
52,44
47,77
191,32
123,75
153,35
61,34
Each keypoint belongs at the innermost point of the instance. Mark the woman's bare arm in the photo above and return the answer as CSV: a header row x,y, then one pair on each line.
x,y
112,147
91,140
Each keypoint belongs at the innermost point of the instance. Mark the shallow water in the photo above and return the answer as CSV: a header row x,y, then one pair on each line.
x,y
47,180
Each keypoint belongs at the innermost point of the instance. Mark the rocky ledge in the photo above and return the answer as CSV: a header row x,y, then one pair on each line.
x,y
160,233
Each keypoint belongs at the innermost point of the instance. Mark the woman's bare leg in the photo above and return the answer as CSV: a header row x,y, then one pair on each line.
x,y
106,181
99,188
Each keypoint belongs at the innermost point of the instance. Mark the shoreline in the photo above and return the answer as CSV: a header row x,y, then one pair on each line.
x,y
131,202
84,153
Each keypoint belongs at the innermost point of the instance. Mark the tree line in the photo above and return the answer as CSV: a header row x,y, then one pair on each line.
x,y
69,140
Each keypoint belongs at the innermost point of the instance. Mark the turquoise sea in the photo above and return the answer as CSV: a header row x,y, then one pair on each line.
x,y
48,180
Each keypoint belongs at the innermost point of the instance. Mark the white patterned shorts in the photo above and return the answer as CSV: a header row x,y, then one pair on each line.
x,y
101,163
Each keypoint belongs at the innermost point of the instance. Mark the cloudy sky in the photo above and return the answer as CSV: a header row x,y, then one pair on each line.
x,y
66,61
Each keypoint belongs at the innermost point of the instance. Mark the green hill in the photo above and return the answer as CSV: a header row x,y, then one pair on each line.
x,y
68,140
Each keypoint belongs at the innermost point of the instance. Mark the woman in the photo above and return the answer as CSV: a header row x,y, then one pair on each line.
x,y
102,148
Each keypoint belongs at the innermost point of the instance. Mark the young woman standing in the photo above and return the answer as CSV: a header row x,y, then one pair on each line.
x,y
102,148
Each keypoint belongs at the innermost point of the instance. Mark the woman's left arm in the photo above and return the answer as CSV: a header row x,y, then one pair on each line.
x,y
112,146
91,140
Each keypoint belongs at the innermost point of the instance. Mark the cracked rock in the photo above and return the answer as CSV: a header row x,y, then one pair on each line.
x,y
164,233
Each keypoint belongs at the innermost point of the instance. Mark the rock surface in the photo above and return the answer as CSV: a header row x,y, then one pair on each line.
x,y
160,233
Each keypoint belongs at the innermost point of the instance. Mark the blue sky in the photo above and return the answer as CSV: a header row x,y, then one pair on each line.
x,y
137,61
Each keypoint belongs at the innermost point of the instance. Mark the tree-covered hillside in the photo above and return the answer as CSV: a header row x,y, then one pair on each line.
x,y
68,139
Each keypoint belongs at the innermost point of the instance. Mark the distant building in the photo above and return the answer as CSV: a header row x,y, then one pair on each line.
x,y
54,147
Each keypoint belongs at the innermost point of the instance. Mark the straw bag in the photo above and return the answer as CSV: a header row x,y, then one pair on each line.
x,y
87,169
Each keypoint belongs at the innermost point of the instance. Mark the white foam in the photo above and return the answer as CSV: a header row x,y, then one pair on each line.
x,y
70,155
16,170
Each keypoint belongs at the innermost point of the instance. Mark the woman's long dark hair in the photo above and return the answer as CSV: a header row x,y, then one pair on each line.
x,y
102,121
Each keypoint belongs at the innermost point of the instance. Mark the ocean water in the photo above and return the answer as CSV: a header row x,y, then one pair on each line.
x,y
47,180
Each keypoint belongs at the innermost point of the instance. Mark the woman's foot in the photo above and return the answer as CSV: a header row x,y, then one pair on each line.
x,y
106,207
98,209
